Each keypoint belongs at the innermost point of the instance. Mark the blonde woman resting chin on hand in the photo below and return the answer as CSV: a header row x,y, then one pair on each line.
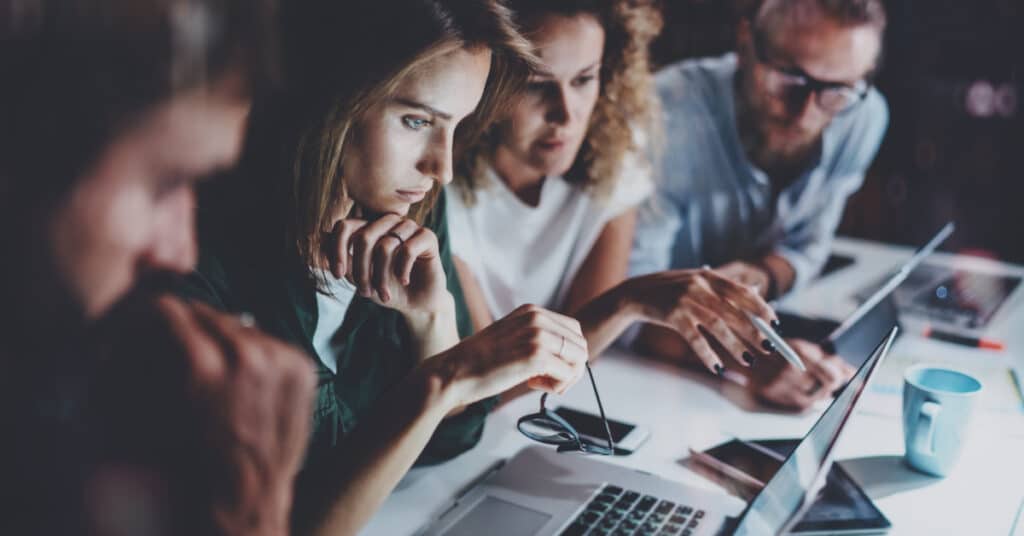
x,y
543,208
333,233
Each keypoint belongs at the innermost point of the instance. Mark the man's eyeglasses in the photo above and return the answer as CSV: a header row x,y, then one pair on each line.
x,y
831,97
546,426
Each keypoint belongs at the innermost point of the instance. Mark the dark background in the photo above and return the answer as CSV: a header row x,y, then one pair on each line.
x,y
952,75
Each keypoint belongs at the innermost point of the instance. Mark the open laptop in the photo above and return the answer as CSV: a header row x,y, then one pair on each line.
x,y
540,492
854,337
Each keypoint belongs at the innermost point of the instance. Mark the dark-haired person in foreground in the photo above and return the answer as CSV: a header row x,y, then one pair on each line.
x,y
109,113
764,147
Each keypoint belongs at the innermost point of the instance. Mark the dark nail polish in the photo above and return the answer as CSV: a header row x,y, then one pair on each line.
x,y
777,326
767,345
719,369
748,357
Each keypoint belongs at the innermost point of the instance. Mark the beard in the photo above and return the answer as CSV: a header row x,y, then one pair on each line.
x,y
781,150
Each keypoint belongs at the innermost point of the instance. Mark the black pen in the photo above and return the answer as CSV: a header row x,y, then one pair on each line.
x,y
964,340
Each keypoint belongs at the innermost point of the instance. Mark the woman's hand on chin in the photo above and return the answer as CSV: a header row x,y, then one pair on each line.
x,y
392,260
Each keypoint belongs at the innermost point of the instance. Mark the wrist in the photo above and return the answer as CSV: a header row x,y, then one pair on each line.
x,y
771,288
438,379
424,320
266,516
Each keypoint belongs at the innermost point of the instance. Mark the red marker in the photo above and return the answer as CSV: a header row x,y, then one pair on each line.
x,y
973,342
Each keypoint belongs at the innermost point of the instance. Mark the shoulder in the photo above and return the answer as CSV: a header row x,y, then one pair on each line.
x,y
695,84
696,101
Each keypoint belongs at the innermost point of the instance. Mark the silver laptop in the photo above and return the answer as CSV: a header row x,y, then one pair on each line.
x,y
541,492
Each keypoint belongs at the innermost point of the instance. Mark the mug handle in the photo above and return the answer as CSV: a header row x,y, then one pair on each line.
x,y
925,434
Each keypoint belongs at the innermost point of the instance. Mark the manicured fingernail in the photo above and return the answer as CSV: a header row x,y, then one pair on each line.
x,y
748,357
719,369
777,326
767,345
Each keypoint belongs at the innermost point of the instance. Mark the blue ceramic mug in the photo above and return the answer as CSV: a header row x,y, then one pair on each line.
x,y
937,407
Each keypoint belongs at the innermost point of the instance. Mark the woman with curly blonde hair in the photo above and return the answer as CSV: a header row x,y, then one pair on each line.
x,y
544,204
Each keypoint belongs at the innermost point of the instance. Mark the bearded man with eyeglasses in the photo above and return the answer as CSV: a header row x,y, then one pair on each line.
x,y
763,146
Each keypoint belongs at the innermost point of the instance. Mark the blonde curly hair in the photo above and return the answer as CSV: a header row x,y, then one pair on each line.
x,y
626,109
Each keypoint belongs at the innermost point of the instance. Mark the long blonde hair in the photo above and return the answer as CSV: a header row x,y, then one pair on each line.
x,y
626,109
342,59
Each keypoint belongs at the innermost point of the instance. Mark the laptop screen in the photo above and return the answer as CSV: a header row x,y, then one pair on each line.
x,y
788,489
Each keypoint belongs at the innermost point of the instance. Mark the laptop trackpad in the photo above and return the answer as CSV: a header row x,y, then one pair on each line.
x,y
515,519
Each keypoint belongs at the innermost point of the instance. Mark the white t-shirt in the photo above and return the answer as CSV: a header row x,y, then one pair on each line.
x,y
523,254
330,315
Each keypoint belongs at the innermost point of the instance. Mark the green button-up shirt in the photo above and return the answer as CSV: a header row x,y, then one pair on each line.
x,y
376,352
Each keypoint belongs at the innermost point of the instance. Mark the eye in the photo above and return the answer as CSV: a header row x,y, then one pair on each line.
x,y
581,81
415,123
537,87
169,184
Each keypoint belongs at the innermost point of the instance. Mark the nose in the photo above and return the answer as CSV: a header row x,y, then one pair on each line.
x,y
172,246
559,111
436,161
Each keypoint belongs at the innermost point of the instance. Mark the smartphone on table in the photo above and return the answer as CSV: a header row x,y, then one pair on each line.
x,y
627,437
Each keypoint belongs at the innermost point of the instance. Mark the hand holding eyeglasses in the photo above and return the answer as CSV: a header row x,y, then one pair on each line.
x,y
546,426
546,350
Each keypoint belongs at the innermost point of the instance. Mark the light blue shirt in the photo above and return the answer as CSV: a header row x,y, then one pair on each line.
x,y
712,205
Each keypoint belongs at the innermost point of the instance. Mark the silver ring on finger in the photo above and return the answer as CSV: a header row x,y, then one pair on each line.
x,y
247,320
396,235
561,348
814,388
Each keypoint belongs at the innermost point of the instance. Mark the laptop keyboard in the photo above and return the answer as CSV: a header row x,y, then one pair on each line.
x,y
621,512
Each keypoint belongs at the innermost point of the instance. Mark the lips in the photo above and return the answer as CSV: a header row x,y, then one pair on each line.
x,y
551,144
412,196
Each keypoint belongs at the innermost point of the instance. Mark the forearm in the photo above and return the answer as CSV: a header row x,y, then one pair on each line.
x,y
434,331
604,318
374,458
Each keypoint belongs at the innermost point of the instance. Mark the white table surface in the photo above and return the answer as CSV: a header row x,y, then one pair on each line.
x,y
685,409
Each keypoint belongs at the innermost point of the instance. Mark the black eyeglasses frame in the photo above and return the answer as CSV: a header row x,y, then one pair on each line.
x,y
565,436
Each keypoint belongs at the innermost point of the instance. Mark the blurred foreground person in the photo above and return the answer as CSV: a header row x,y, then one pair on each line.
x,y
110,111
